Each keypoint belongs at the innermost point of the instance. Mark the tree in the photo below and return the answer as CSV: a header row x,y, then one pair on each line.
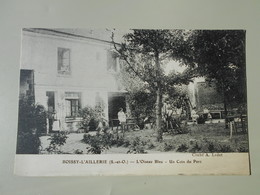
x,y
31,124
141,104
177,101
144,52
219,55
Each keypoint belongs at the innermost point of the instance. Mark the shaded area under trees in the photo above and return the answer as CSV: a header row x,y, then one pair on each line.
x,y
219,55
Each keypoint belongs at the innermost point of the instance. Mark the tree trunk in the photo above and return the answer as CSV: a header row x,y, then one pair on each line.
x,y
225,105
158,99
159,114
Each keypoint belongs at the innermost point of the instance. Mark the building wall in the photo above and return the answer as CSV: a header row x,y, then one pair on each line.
x,y
88,61
88,64
208,97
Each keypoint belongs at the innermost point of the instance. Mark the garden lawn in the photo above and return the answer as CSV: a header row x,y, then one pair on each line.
x,y
198,138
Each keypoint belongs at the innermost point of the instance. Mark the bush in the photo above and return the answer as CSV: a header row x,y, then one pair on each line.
x,y
243,149
182,148
99,142
215,146
178,126
57,140
91,117
78,151
121,141
31,124
196,147
28,143
167,147
226,148
150,145
136,146
141,105
183,128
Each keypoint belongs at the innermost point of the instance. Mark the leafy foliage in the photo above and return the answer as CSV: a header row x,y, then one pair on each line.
x,y
99,142
31,123
176,108
144,53
197,147
182,148
217,55
167,147
28,143
91,117
136,146
220,56
120,141
142,107
57,140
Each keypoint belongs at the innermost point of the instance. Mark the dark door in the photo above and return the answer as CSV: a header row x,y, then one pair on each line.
x,y
115,102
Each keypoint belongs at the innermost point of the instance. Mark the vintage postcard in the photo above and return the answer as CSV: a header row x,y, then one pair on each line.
x,y
132,102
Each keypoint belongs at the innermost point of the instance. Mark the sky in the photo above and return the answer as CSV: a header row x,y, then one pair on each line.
x,y
173,65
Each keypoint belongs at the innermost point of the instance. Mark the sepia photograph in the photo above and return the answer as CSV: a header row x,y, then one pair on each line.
x,y
136,91
129,97
109,91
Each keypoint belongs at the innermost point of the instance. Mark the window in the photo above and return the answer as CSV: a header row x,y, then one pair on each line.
x,y
64,61
73,103
112,61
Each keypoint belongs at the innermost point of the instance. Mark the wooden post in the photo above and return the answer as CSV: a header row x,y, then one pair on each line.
x,y
231,129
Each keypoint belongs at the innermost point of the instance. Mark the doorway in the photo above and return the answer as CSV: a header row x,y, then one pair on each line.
x,y
115,102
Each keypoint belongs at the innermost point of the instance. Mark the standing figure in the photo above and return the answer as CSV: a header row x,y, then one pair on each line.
x,y
56,123
122,119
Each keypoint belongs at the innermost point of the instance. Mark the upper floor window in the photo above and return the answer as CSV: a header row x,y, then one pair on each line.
x,y
64,61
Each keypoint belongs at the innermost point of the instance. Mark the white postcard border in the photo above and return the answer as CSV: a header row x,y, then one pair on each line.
x,y
137,164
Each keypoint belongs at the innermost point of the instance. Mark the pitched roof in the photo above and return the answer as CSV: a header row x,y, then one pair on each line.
x,y
94,34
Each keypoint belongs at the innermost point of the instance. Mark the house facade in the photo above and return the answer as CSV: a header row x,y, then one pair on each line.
x,y
65,72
